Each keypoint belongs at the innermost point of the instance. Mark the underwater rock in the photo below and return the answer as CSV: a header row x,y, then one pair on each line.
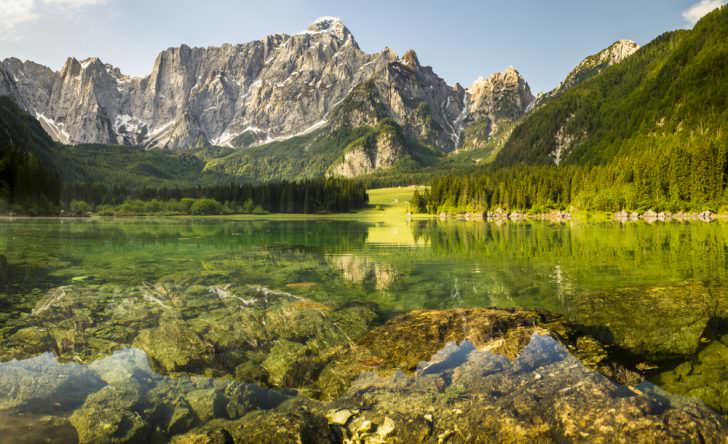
x,y
214,436
29,341
174,346
526,391
35,428
293,422
542,395
654,322
41,384
407,340
704,377
110,416
206,403
123,367
290,364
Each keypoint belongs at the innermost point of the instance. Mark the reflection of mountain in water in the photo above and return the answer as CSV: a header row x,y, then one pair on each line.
x,y
362,270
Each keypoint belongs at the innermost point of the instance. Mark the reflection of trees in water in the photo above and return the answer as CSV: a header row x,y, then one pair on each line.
x,y
588,252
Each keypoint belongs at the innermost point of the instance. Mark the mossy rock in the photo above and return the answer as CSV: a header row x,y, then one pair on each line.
x,y
290,364
109,416
174,346
294,422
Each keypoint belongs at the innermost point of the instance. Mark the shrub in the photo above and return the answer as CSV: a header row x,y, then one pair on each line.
x,y
206,206
79,208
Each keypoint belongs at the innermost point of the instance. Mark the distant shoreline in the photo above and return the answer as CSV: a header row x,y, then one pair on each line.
x,y
578,216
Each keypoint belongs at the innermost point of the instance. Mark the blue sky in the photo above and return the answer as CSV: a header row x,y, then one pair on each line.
x,y
459,39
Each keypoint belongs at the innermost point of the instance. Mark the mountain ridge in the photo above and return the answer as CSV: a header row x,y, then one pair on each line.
x,y
316,87
243,94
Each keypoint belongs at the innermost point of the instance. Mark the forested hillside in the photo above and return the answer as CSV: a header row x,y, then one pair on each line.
x,y
671,94
651,132
133,167
28,176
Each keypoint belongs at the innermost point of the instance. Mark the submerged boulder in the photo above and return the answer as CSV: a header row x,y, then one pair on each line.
x,y
42,384
704,377
175,346
407,340
293,422
472,375
472,394
110,416
658,321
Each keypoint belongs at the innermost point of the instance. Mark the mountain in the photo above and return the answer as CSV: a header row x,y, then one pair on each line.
x,y
670,95
591,66
494,105
235,95
314,86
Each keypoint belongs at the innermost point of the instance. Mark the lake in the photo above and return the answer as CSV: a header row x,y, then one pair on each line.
x,y
141,330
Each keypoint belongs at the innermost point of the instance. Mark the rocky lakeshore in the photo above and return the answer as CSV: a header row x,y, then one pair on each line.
x,y
500,216
220,364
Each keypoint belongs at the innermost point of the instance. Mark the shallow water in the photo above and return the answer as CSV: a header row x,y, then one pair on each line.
x,y
243,299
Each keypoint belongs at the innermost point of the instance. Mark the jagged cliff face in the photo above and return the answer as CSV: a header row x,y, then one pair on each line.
x,y
379,151
234,95
494,104
591,66
423,104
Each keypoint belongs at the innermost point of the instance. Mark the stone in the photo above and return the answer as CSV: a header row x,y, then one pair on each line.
x,y
340,417
388,426
110,416
175,346
542,394
206,403
31,341
219,436
37,384
645,320
293,422
289,364
706,216
702,377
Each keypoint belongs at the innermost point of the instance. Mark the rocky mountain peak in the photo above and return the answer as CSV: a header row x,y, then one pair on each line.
x,y
591,66
240,95
486,93
618,51
71,68
389,54
91,61
494,103
331,25
410,58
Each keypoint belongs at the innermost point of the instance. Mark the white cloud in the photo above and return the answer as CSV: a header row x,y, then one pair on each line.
x,y
697,11
73,3
17,12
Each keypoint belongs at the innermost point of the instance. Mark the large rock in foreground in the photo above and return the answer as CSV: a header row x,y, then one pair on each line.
x,y
489,376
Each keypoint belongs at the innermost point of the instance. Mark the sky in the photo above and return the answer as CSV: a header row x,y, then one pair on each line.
x,y
461,40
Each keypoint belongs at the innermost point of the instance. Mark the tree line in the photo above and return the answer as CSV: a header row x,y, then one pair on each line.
x,y
308,196
668,176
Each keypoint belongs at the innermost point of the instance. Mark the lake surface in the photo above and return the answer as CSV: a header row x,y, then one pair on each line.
x,y
115,318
